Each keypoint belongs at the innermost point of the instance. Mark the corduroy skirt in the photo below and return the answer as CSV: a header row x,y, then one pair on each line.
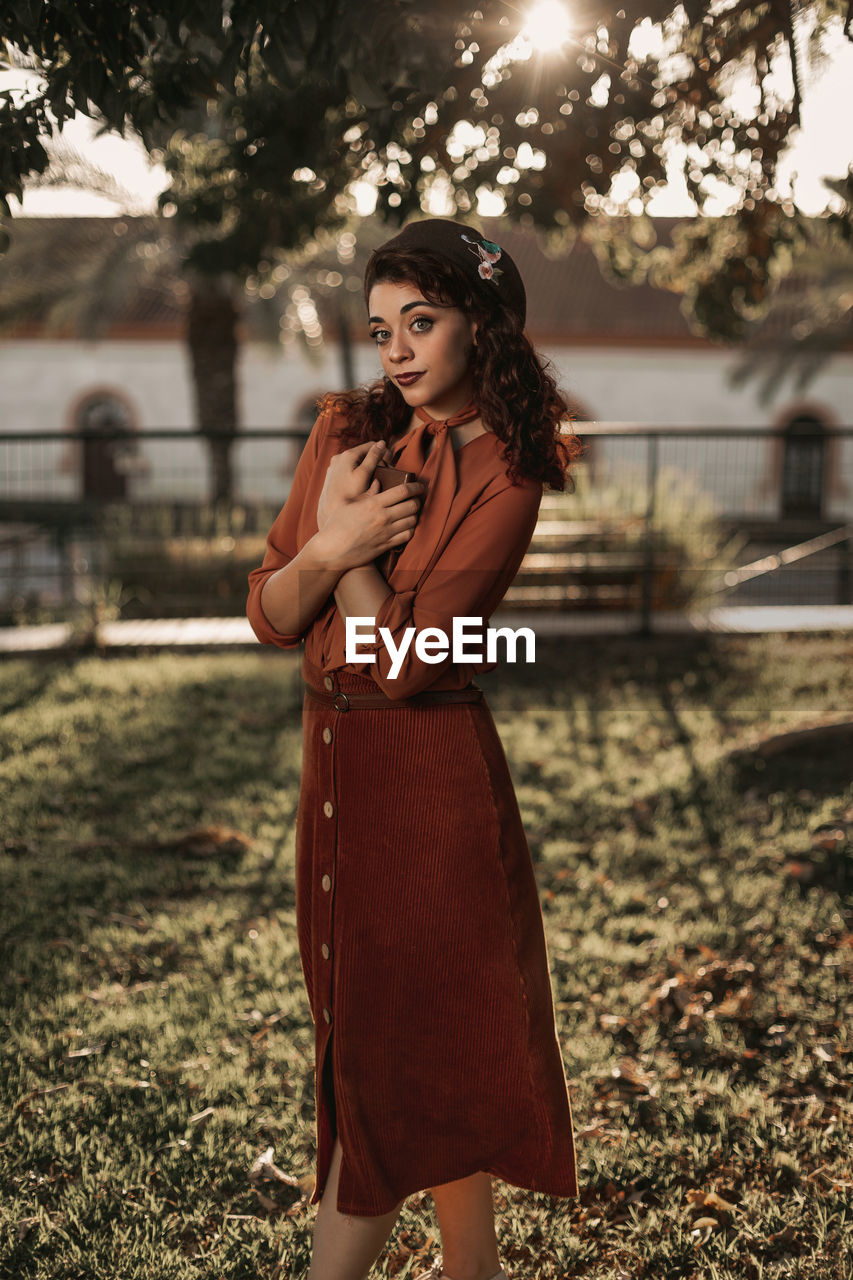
x,y
424,956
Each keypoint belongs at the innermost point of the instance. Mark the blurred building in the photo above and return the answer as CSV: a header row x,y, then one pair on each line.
x,y
623,355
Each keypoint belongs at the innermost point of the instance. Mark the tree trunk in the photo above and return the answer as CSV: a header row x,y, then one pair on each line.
x,y
345,347
212,339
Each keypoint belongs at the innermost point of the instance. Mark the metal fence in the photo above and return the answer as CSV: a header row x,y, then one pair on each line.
x,y
657,520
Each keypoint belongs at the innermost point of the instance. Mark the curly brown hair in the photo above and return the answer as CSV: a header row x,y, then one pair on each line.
x,y
517,395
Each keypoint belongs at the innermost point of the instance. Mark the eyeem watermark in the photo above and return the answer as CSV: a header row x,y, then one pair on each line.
x,y
432,645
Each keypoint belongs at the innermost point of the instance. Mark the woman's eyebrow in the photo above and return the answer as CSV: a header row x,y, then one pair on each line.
x,y
421,302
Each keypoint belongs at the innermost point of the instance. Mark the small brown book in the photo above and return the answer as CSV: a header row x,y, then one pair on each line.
x,y
390,477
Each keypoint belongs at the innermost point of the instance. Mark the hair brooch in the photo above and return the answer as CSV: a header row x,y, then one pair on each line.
x,y
488,253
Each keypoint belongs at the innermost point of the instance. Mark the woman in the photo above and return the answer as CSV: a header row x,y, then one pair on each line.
x,y
418,916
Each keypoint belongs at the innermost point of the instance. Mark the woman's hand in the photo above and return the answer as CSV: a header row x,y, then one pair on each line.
x,y
356,532
349,476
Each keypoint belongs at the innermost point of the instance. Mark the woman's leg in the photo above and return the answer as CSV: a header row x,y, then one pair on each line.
x,y
466,1220
345,1247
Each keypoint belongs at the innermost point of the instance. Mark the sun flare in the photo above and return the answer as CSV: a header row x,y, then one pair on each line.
x,y
547,25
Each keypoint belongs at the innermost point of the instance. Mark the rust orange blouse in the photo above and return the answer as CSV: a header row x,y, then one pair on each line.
x,y
473,531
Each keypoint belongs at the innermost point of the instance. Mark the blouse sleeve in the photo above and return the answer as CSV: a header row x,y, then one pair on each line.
x,y
281,541
469,579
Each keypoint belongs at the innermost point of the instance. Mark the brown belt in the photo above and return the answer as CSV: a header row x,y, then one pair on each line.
x,y
350,701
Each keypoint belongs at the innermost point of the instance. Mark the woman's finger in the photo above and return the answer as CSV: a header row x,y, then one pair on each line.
x,y
403,492
372,455
359,452
406,524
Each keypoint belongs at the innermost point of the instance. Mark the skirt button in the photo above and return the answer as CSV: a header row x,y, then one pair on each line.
x,y
329,683
326,882
327,735
327,1015
325,951
328,808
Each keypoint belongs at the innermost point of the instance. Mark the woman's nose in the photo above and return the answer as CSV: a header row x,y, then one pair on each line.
x,y
398,348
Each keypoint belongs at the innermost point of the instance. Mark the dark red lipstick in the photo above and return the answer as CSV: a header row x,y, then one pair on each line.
x,y
406,379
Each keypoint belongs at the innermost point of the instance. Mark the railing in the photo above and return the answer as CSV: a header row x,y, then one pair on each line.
x,y
660,519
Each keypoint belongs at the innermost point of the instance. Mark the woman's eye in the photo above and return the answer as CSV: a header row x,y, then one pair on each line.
x,y
420,324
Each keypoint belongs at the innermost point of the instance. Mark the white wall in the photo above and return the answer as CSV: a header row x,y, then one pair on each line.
x,y
42,380
689,387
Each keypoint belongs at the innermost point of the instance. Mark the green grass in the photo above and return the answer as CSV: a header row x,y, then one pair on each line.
x,y
157,1038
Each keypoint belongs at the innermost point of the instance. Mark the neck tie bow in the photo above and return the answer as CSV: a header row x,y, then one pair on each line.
x,y
411,455
438,471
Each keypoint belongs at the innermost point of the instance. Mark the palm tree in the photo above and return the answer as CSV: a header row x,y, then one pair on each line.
x,y
84,288
82,284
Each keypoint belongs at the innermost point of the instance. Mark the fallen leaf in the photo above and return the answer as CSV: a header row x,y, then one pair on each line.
x,y
87,1052
211,841
736,1004
786,1236
610,1020
803,872
598,1131
265,1169
39,1093
710,1200
702,1229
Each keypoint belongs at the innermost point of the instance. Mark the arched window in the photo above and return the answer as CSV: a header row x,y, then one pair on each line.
x,y
803,466
109,448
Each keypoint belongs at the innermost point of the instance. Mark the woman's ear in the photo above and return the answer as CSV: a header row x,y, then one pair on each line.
x,y
473,333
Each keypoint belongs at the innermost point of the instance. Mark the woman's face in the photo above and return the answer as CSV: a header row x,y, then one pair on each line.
x,y
425,348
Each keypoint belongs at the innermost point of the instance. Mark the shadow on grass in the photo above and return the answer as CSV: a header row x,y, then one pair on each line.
x,y
119,757
810,771
138,1106
112,770
34,682
597,677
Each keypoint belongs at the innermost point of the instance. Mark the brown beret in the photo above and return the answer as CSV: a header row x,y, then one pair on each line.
x,y
494,275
